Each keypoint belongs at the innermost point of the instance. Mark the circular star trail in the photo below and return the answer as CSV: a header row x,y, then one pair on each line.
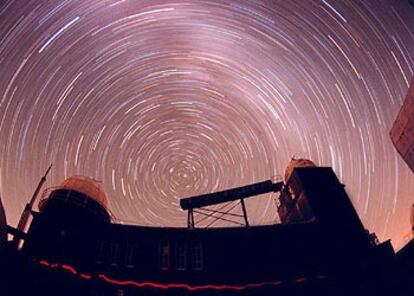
x,y
160,100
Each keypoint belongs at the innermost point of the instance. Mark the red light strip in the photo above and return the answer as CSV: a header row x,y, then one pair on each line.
x,y
85,276
109,280
185,286
69,268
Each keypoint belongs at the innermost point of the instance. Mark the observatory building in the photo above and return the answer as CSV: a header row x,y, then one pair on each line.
x,y
319,248
402,135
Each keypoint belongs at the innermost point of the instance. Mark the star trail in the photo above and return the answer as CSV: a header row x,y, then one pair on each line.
x,y
160,100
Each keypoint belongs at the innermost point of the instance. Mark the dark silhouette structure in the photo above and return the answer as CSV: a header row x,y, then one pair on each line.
x,y
320,248
402,136
3,225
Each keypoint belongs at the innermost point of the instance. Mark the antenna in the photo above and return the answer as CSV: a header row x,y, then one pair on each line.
x,y
21,226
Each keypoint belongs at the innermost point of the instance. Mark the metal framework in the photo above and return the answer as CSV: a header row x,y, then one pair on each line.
x,y
227,196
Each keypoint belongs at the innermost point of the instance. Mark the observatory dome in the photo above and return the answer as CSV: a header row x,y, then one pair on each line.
x,y
296,163
79,197
87,186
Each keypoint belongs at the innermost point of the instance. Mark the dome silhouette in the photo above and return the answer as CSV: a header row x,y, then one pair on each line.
x,y
87,186
78,196
296,163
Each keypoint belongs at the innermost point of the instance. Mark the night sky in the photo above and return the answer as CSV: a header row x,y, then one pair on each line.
x,y
165,99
